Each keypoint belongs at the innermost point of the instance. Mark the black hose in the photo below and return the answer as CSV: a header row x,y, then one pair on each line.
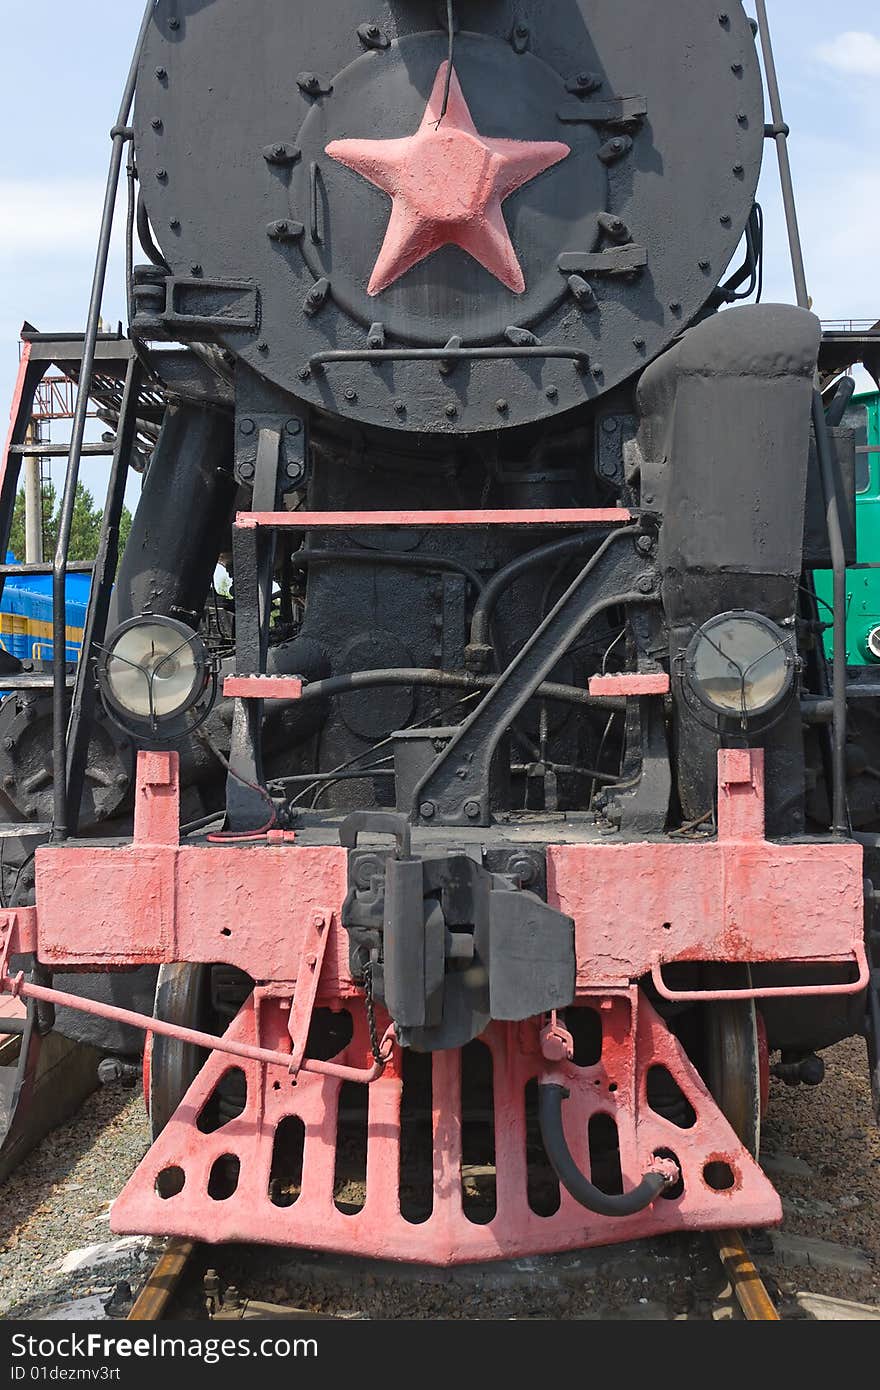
x,y
447,680
556,550
145,236
846,389
550,1098
403,559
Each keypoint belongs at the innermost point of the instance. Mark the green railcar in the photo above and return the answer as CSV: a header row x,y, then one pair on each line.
x,y
863,585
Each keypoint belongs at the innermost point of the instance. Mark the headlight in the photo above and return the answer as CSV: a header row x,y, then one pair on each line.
x,y
740,666
152,671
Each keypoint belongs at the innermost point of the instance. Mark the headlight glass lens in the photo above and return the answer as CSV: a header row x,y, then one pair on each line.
x,y
154,669
740,664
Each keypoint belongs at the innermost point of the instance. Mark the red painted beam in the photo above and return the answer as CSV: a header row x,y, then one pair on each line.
x,y
332,521
262,687
631,683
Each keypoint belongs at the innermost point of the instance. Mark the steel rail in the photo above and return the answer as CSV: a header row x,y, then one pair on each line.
x,y
162,1282
747,1284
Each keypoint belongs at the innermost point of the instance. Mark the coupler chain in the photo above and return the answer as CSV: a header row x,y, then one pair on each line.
x,y
371,1014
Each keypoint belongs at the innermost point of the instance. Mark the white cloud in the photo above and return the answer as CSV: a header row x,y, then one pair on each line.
x,y
854,52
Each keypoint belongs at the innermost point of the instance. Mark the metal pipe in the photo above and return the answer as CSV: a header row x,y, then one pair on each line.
x,y
207,1041
403,559
379,356
556,550
780,133
550,1098
840,816
120,134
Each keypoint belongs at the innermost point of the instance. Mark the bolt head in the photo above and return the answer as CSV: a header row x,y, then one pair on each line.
x,y
351,394
472,810
246,426
501,407
427,810
645,584
552,393
522,869
262,347
400,407
451,411
304,373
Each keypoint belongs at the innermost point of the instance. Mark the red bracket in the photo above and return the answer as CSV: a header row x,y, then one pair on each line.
x,y
655,683
262,687
306,992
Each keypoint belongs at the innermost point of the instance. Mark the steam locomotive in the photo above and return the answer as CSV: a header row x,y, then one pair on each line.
x,y
487,842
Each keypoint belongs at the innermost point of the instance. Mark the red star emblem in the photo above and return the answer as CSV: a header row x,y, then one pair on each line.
x,y
447,183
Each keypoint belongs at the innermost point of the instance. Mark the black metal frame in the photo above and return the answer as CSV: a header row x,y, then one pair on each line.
x,y
455,791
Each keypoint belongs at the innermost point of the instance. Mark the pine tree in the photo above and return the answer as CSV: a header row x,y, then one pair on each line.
x,y
85,531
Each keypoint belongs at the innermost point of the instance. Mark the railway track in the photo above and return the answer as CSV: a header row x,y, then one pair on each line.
x,y
156,1301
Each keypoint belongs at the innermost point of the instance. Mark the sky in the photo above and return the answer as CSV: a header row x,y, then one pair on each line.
x,y
62,67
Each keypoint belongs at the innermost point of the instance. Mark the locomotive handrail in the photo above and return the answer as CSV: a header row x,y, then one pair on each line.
x,y
533,351
714,996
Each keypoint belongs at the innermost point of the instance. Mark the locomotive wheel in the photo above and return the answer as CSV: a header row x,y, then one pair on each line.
x,y
733,1064
183,996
